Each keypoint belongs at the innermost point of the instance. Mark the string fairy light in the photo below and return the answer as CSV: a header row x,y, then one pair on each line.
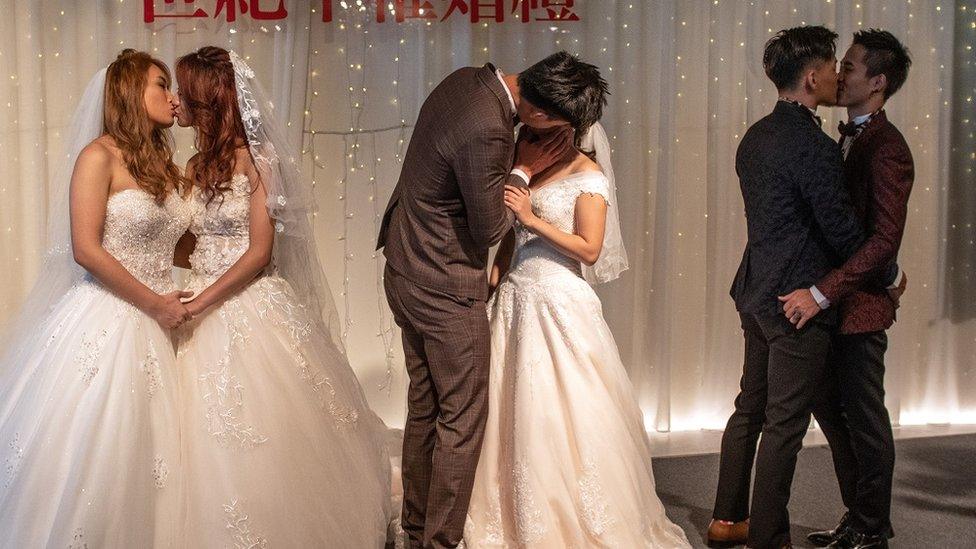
x,y
352,22
654,131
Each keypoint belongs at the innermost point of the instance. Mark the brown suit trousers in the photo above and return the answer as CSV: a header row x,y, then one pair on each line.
x,y
446,211
446,344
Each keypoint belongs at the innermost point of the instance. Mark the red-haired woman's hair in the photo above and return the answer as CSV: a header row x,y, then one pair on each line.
x,y
208,94
147,148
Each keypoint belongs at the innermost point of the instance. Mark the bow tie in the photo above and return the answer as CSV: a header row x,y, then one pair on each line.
x,y
849,129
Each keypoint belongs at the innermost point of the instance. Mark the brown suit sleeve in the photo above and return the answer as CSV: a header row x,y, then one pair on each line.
x,y
483,167
894,173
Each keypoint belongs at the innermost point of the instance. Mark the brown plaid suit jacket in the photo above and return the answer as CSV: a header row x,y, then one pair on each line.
x,y
447,209
879,172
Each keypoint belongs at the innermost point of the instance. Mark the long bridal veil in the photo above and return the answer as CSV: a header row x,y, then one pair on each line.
x,y
58,270
613,257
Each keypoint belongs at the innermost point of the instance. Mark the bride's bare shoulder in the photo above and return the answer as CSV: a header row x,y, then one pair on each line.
x,y
244,164
100,153
583,163
102,145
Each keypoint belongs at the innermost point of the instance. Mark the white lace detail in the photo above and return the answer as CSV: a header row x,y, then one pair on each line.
x,y
13,459
529,526
78,539
236,321
596,515
159,472
543,290
224,396
594,184
141,234
238,524
87,358
554,203
279,305
524,306
494,533
264,153
56,332
222,229
150,367
246,102
554,360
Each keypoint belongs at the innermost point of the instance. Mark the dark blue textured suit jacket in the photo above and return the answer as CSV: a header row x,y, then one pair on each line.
x,y
800,220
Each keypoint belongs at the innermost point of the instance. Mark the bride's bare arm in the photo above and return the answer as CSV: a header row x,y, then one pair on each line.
x,y
503,259
585,244
252,262
90,187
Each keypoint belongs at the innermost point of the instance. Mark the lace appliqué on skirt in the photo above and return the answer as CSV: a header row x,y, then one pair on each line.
x,y
238,524
159,472
278,305
528,518
13,460
596,515
91,350
224,396
150,367
78,540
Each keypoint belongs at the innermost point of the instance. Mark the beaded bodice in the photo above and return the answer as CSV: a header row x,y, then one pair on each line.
x,y
141,234
221,227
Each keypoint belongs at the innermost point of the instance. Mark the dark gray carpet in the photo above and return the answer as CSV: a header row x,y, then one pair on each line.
x,y
934,499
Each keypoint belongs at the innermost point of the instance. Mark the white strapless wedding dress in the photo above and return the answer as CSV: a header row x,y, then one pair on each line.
x,y
88,421
279,445
565,461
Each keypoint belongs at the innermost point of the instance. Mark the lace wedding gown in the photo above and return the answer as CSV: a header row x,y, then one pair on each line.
x,y
88,418
280,448
565,460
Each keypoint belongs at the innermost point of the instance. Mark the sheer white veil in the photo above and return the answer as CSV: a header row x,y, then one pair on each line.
x,y
58,272
613,257
290,202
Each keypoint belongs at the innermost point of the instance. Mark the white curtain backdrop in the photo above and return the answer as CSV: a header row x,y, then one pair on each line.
x,y
686,80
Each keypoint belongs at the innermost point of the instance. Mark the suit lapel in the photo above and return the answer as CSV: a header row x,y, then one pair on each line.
x,y
876,122
857,171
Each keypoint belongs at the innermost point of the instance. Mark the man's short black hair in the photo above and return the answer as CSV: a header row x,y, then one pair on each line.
x,y
567,88
885,55
791,51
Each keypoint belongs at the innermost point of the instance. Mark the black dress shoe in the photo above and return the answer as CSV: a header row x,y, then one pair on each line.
x,y
826,537
857,540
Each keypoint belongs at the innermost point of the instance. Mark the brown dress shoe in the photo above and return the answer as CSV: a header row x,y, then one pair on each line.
x,y
723,534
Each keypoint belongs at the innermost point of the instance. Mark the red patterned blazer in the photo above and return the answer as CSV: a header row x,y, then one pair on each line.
x,y
879,172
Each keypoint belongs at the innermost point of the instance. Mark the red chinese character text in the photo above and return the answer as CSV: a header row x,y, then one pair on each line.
x,y
326,11
230,6
149,11
555,10
494,10
407,9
